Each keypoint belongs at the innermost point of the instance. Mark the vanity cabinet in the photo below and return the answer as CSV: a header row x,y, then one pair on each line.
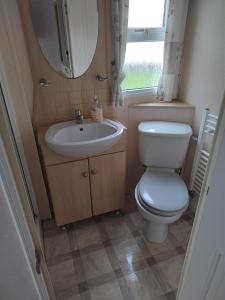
x,y
107,182
82,188
88,187
70,191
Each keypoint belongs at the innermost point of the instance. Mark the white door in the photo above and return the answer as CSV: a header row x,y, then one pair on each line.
x,y
204,269
20,271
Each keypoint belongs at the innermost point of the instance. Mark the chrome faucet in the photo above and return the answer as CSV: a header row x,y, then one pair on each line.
x,y
78,116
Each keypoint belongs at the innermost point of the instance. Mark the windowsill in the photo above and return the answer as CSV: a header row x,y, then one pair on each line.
x,y
155,104
146,98
140,96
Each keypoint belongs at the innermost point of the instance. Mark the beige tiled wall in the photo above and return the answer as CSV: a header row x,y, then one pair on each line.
x,y
204,57
57,102
203,61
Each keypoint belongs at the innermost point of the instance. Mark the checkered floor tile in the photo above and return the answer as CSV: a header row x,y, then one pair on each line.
x,y
108,258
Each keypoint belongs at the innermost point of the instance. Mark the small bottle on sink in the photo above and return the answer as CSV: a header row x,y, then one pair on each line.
x,y
96,110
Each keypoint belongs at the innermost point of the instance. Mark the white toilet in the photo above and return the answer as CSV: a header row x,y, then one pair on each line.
x,y
161,194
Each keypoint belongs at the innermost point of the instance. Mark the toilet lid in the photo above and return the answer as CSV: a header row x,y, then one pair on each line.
x,y
163,191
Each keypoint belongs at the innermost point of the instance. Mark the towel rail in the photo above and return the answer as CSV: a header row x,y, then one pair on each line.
x,y
201,157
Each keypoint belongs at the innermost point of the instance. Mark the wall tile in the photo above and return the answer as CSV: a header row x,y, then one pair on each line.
x,y
58,101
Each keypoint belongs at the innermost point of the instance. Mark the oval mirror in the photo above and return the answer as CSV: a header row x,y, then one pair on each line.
x,y
67,32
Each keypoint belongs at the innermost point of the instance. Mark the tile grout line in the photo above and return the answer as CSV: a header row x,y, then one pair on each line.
x,y
161,279
113,260
118,272
78,267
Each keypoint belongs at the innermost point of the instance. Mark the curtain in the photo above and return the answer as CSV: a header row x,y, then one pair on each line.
x,y
176,15
119,10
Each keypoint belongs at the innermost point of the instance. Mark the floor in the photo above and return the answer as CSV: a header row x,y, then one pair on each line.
x,y
107,258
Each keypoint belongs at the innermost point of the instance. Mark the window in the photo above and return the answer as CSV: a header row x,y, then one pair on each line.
x,y
145,44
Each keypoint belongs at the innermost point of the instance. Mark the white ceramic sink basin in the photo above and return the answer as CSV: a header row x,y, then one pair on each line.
x,y
82,140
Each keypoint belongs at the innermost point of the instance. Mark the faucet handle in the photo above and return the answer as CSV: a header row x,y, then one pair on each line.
x,y
79,116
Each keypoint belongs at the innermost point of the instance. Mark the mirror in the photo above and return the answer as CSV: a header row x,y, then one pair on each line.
x,y
67,32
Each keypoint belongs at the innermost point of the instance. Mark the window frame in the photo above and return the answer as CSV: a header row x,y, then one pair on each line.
x,y
141,93
146,34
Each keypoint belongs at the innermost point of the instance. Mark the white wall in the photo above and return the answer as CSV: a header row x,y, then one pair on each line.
x,y
203,80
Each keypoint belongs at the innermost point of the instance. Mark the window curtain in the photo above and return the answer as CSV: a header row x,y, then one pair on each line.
x,y
176,15
119,11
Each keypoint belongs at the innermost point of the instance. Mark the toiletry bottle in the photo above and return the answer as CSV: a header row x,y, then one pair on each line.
x,y
94,108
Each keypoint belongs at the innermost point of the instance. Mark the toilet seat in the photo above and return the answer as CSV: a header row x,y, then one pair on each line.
x,y
158,212
163,193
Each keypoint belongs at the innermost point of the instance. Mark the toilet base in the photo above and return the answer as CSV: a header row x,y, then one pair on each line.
x,y
155,232
156,226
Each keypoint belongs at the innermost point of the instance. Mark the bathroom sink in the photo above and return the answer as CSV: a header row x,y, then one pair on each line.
x,y
82,140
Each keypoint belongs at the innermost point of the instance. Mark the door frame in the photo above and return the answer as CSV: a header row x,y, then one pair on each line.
x,y
19,200
218,138
11,122
18,90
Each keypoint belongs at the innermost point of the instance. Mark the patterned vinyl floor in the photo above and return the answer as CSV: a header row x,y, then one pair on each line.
x,y
107,258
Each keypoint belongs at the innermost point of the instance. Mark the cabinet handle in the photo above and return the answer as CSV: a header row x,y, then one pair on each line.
x,y
84,174
93,172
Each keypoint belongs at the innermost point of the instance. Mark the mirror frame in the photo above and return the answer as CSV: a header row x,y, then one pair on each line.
x,y
51,29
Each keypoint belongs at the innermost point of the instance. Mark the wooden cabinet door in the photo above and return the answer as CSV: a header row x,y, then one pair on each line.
x,y
107,174
70,191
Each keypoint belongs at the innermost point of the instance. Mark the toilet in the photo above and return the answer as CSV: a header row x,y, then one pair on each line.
x,y
161,194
